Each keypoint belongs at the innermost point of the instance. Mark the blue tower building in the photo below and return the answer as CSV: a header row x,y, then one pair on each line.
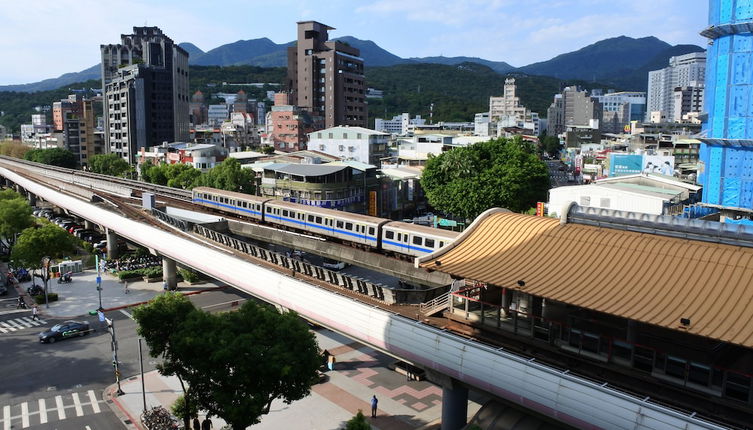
x,y
726,154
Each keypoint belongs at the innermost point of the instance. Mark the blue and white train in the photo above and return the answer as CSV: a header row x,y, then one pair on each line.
x,y
391,237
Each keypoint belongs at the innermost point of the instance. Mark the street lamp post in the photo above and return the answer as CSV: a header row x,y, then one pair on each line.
x,y
99,280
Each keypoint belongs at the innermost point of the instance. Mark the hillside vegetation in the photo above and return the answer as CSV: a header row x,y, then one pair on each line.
x,y
457,91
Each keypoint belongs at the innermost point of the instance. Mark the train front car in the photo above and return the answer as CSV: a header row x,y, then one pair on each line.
x,y
241,204
414,240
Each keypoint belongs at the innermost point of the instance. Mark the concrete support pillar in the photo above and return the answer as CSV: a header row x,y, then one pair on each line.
x,y
32,199
112,245
454,406
88,224
168,273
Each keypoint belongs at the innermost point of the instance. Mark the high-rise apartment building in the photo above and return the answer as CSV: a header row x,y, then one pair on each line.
x,y
60,109
687,70
326,78
145,92
573,107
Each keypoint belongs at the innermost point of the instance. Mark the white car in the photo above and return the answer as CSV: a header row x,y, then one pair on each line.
x,y
335,265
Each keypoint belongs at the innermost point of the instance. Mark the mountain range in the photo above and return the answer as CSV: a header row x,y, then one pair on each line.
x,y
622,62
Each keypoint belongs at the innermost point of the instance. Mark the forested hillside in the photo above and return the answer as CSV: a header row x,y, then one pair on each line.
x,y
457,91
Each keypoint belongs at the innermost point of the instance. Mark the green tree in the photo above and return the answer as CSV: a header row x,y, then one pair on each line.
x,y
499,173
34,243
181,175
185,410
159,322
235,363
358,422
108,164
154,173
52,156
228,176
15,216
550,145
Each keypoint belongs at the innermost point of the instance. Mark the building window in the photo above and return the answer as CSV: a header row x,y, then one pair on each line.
x,y
341,148
345,135
330,134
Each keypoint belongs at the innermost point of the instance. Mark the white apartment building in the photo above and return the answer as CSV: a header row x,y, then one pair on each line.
x,y
508,111
481,124
350,143
217,114
399,125
687,70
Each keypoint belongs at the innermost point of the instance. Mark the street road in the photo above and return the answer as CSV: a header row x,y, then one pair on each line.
x,y
60,385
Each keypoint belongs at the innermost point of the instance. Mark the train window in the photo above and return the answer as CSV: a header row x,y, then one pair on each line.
x,y
349,226
311,218
429,243
389,234
318,220
417,240
441,244
371,231
340,224
269,210
292,214
399,237
284,212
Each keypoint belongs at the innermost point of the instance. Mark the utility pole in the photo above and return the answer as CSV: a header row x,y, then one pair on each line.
x,y
114,346
99,279
45,277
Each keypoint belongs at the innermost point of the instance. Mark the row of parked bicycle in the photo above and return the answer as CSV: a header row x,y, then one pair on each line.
x,y
133,262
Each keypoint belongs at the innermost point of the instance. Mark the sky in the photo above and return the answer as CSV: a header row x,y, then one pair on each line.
x,y
43,39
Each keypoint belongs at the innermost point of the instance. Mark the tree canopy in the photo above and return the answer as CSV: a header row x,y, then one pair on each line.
x,y
15,216
550,145
503,173
109,164
52,156
235,363
228,176
34,243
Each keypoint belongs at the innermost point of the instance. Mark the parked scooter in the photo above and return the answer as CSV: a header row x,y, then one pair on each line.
x,y
35,290
65,278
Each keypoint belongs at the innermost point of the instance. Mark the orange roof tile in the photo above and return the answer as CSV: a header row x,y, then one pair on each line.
x,y
649,278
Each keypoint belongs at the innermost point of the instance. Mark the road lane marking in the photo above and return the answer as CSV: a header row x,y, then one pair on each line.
x,y
61,409
42,412
31,321
94,402
8,326
4,330
77,405
6,417
24,415
21,321
123,311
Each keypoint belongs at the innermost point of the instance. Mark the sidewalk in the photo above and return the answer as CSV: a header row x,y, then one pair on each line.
x,y
80,296
360,372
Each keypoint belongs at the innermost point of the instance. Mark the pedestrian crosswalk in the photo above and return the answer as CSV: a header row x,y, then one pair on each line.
x,y
58,408
14,324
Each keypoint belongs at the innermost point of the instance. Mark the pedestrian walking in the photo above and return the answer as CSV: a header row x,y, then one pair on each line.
x,y
164,285
331,362
125,286
34,312
374,403
206,424
196,423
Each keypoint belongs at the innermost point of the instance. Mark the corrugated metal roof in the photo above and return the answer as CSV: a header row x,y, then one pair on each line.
x,y
653,279
308,169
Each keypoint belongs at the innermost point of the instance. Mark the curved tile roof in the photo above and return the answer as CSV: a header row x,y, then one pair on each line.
x,y
653,279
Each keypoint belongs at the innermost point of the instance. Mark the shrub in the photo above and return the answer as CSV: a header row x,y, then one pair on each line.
x,y
39,299
152,272
188,275
179,408
130,274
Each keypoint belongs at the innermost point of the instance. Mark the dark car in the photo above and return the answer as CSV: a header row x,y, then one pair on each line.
x,y
3,290
64,330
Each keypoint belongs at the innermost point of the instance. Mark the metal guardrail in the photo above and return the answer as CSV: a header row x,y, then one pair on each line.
x,y
175,222
352,283
435,305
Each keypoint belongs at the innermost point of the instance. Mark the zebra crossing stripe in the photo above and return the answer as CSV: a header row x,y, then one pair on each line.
x,y
77,405
4,330
61,409
42,412
15,325
94,401
21,321
24,415
7,326
31,321
6,417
